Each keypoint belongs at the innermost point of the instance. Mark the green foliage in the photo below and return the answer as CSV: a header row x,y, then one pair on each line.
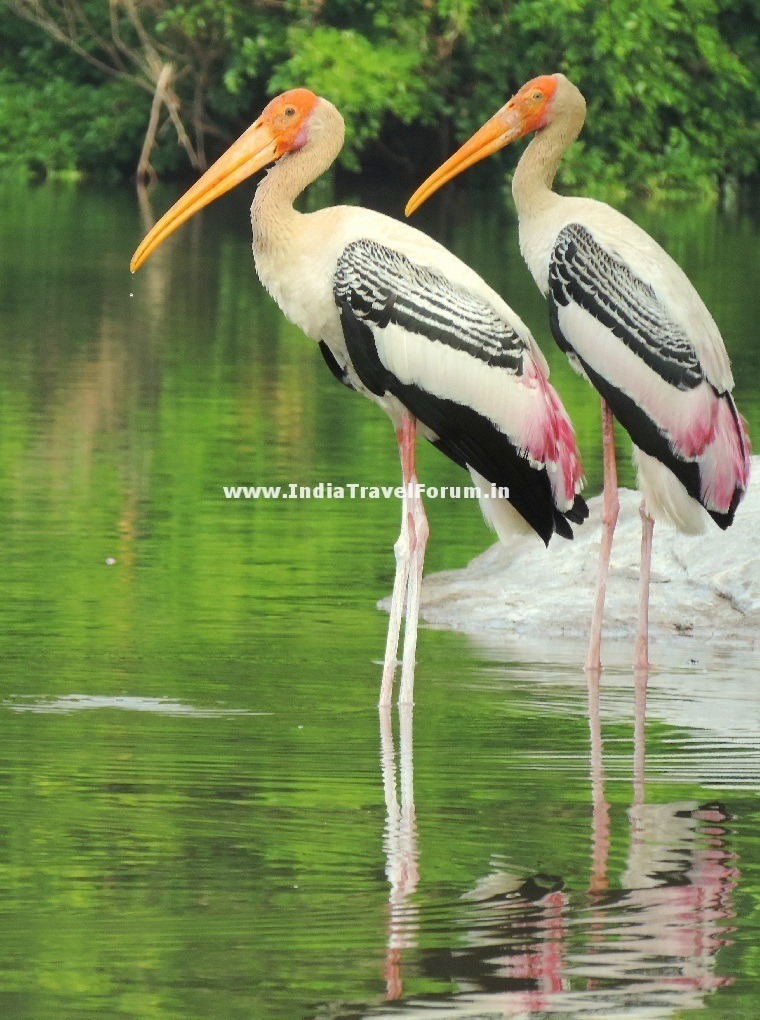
x,y
60,127
671,107
671,85
366,81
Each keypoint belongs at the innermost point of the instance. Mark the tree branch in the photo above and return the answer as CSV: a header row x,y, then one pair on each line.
x,y
67,23
33,12
145,172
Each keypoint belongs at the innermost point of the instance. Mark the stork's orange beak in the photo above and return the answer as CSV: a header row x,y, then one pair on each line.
x,y
255,148
506,126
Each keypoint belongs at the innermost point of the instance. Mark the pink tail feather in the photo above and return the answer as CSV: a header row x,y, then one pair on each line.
x,y
556,447
725,462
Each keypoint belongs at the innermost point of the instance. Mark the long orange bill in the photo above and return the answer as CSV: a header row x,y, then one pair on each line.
x,y
255,148
504,127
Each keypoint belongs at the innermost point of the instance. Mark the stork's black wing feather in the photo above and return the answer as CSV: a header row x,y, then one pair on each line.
x,y
332,363
582,271
384,286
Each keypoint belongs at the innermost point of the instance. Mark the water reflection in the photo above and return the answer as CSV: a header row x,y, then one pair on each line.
x,y
400,844
644,945
192,819
647,948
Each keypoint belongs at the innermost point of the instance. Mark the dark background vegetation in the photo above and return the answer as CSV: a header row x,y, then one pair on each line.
x,y
672,85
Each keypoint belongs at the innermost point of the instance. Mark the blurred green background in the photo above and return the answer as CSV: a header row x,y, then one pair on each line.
x,y
193,816
672,85
193,820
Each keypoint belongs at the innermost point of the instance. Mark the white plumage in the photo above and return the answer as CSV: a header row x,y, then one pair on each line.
x,y
411,327
631,323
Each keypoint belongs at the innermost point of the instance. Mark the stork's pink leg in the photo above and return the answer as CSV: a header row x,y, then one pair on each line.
x,y
641,661
406,550
610,510
402,553
418,531
398,598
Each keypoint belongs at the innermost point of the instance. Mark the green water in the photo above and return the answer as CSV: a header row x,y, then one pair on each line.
x,y
197,816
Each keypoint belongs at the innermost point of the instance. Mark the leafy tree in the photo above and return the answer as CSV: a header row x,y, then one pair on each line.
x,y
671,84
171,51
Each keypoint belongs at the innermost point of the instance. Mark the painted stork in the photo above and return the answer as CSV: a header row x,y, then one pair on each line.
x,y
630,322
401,320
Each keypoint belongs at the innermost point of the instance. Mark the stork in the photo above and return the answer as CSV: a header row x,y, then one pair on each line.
x,y
401,320
631,322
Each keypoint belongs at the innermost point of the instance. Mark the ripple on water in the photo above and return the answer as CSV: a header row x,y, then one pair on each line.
x,y
83,702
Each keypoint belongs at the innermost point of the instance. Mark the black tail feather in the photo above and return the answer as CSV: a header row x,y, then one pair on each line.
x,y
578,512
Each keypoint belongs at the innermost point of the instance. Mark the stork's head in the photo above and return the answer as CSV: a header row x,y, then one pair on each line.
x,y
286,125
537,105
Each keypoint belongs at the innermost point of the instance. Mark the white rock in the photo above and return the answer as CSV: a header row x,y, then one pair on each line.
x,y
706,587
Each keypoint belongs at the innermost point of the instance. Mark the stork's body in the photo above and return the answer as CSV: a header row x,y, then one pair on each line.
x,y
632,324
401,320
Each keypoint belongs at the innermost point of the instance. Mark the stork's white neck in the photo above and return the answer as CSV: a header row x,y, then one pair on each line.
x,y
274,220
534,176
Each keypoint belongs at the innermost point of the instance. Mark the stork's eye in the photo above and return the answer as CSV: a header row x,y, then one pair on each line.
x,y
290,111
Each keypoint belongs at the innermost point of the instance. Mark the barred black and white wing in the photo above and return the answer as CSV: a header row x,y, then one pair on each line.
x,y
656,374
456,364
